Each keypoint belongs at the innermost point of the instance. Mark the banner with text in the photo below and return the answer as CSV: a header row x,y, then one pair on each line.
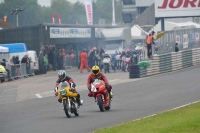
x,y
177,8
70,32
113,13
89,12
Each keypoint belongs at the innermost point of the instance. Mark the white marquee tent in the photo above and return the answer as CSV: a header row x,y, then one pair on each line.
x,y
4,50
138,33
4,53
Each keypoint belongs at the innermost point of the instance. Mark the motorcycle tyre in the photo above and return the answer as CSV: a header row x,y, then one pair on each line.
x,y
100,103
76,111
66,109
109,106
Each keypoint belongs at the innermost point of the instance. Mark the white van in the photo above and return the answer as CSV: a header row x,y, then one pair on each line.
x,y
35,63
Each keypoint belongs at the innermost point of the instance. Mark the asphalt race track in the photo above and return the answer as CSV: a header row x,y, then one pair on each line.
x,y
22,111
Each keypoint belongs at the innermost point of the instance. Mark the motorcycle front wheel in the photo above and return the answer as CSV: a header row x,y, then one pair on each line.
x,y
109,106
100,103
76,111
66,108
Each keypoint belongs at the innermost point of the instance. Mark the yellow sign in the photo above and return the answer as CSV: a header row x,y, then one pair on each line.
x,y
159,35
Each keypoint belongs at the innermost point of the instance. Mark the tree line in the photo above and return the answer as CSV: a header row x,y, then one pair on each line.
x,y
34,13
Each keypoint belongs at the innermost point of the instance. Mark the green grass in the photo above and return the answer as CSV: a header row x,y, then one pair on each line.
x,y
182,120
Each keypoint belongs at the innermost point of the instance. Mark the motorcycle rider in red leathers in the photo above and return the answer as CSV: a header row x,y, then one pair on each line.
x,y
97,74
62,77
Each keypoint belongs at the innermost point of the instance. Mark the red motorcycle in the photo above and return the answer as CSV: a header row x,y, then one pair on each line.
x,y
101,94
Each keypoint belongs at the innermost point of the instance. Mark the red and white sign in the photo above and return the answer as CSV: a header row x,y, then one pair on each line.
x,y
185,41
89,12
113,13
59,19
53,19
178,39
177,8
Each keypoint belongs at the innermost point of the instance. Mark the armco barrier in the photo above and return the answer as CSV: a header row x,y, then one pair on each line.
x,y
171,62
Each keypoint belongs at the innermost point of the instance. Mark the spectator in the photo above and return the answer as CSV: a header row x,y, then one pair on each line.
x,y
45,64
176,47
13,59
83,59
17,65
50,57
28,64
92,58
63,52
150,41
97,57
11,67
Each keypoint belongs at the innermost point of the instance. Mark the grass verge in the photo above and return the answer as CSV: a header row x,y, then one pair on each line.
x,y
182,120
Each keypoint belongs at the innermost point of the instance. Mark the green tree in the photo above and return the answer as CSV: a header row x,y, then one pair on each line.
x,y
79,13
103,10
62,7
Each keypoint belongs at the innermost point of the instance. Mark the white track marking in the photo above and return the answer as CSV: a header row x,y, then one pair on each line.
x,y
38,95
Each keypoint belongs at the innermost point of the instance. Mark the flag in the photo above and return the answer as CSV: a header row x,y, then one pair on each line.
x,y
59,19
113,13
5,17
89,12
76,22
53,19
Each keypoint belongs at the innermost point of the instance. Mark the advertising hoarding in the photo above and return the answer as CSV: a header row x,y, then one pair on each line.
x,y
70,32
177,8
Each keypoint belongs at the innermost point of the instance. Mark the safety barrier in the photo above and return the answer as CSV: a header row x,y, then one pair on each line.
x,y
68,62
186,38
19,71
170,62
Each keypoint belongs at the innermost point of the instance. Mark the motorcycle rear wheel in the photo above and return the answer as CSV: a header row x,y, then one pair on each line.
x,y
100,103
66,108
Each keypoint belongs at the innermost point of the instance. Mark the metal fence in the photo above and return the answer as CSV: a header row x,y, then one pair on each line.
x,y
187,38
19,71
68,62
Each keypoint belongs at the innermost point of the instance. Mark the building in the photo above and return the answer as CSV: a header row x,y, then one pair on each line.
x,y
4,25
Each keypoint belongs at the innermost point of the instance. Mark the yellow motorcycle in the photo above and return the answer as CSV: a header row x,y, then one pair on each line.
x,y
68,99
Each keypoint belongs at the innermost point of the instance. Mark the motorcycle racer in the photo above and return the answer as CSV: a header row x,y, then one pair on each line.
x,y
96,74
62,77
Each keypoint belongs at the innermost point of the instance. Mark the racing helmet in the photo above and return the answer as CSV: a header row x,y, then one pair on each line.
x,y
95,70
62,75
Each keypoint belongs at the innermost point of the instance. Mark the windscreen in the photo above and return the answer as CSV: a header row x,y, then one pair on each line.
x,y
97,81
63,84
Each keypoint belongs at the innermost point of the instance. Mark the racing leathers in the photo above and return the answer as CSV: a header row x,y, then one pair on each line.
x,y
100,76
